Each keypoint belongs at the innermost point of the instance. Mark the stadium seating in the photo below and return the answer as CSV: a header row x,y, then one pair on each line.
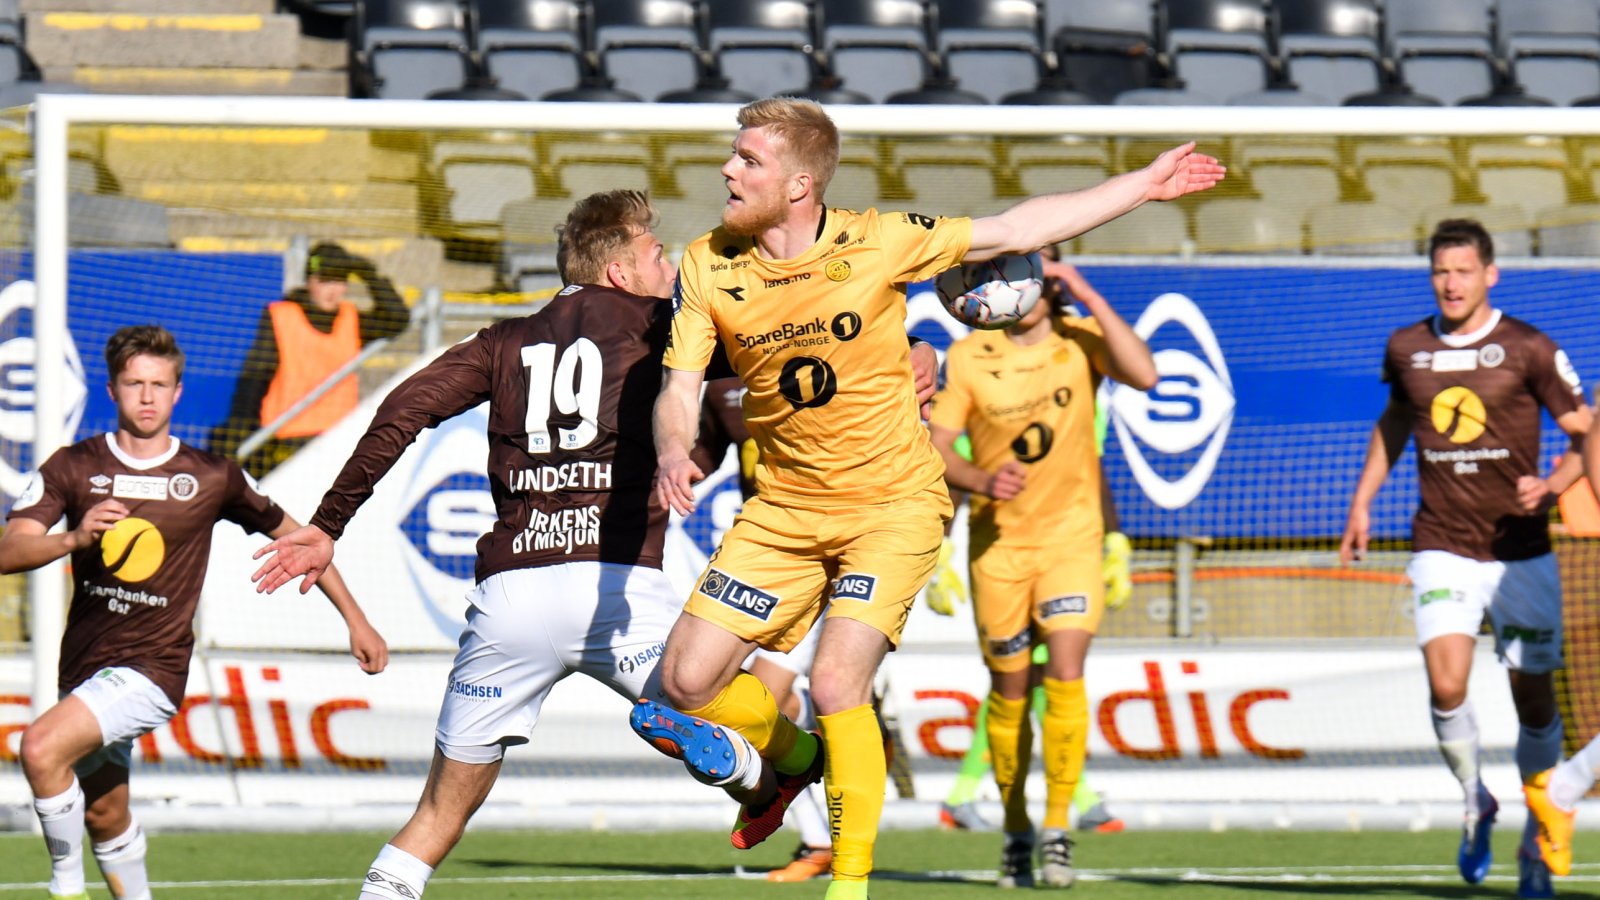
x,y
991,47
763,46
1443,50
1330,47
876,47
1553,48
532,47
1103,48
649,47
407,49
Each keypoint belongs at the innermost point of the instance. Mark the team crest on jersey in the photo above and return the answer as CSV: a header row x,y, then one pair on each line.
x,y
183,486
1069,605
753,602
838,270
855,586
1491,355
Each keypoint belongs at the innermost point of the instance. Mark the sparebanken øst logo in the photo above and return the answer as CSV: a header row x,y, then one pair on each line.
x,y
1458,414
1190,407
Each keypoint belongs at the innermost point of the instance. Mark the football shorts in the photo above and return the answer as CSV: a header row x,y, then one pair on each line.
x,y
779,564
127,705
1522,599
529,628
1020,594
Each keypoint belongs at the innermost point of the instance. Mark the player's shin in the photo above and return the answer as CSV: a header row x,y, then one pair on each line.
x,y
61,818
854,776
121,861
747,707
1066,736
1457,730
1011,748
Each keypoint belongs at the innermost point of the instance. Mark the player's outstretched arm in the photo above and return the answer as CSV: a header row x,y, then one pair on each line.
x,y
27,545
1388,441
1053,218
306,550
366,644
676,416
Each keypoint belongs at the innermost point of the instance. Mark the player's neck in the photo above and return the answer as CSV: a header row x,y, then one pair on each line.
x,y
143,447
797,234
1033,334
1474,322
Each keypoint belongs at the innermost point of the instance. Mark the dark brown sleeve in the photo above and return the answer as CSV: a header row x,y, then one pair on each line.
x,y
450,385
50,482
249,508
1548,374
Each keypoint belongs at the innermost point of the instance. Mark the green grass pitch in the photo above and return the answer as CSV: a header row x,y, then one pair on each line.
x,y
505,865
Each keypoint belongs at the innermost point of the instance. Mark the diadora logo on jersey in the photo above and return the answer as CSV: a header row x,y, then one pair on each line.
x,y
753,602
1458,414
854,587
17,372
1070,605
1180,425
737,293
139,487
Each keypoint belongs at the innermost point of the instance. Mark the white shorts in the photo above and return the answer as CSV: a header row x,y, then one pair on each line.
x,y
529,628
797,660
1522,599
127,705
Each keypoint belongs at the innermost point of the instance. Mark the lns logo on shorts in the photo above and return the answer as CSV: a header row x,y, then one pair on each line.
x,y
1071,604
746,599
854,587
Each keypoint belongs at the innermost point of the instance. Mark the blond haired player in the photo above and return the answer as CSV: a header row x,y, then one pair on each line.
x,y
1026,399
809,303
139,508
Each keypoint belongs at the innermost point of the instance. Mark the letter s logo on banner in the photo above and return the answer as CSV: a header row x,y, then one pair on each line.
x,y
17,359
1192,404
446,507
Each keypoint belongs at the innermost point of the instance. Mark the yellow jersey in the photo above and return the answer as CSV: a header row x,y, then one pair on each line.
x,y
820,343
1035,404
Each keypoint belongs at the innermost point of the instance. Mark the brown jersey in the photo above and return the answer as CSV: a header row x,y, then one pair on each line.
x,y
572,458
722,426
1476,401
135,591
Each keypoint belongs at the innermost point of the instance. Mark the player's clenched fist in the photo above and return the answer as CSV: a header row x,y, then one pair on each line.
x,y
1007,481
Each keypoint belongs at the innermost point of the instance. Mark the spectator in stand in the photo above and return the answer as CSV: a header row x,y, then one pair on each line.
x,y
300,341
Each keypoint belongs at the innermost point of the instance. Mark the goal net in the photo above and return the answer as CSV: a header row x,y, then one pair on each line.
x,y
1249,667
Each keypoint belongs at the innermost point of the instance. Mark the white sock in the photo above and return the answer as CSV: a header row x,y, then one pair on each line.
x,y
1538,748
1457,731
121,861
747,764
1573,778
396,875
807,815
61,817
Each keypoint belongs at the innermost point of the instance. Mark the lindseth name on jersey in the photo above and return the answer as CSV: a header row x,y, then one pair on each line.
x,y
566,528
581,475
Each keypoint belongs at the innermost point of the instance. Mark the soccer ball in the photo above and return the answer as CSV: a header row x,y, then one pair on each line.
x,y
992,294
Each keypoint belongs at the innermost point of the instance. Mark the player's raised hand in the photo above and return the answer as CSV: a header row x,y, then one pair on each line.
x,y
369,648
1181,171
100,518
1007,481
306,551
1357,532
675,480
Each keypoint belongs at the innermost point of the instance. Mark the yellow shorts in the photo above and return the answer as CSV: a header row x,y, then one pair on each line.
x,y
778,565
1019,592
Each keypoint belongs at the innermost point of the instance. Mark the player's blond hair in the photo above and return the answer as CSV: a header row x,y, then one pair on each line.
x,y
597,233
808,140
142,340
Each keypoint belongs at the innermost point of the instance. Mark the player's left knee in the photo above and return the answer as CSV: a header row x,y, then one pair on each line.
x,y
836,692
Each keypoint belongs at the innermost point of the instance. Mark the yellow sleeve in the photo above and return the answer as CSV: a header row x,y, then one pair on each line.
x,y
953,402
694,335
919,247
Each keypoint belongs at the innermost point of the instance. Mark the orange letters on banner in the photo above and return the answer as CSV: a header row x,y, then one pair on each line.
x,y
1239,718
324,737
8,755
928,732
1156,696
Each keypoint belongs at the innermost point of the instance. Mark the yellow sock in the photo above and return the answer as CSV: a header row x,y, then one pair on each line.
x,y
1066,740
1011,747
747,707
854,777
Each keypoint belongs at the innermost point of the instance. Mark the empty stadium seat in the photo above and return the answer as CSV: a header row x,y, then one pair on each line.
x,y
477,188
1280,96
991,47
1153,229
1294,175
1165,96
407,49
1103,48
1443,50
1218,47
876,47
532,47
765,47
953,177
1529,174
1242,225
1408,173
1570,230
649,47
1060,164
1553,48
1360,229
1330,47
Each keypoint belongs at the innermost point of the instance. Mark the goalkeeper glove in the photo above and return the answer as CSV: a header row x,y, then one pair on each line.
x,y
1115,568
944,589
